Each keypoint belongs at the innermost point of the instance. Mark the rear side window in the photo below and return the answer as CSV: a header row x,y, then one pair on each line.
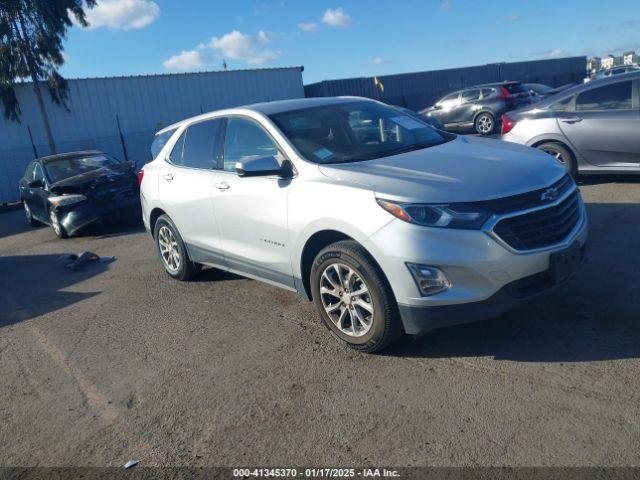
x,y
561,105
199,145
160,141
616,96
514,88
470,95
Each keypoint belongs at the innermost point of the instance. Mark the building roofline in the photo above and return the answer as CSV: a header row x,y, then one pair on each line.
x,y
175,74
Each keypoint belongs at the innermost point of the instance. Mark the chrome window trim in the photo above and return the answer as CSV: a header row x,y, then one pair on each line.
x,y
494,219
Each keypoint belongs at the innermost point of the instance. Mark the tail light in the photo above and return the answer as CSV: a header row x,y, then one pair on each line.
x,y
140,177
504,94
507,124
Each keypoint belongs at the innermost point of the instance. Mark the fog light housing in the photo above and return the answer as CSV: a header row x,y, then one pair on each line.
x,y
430,280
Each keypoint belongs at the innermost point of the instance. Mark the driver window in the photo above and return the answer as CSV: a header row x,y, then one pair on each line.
x,y
244,140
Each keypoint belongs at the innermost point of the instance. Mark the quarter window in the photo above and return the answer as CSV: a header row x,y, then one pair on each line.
x,y
616,96
160,141
245,140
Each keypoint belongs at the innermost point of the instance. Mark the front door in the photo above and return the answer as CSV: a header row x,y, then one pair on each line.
x,y
605,126
252,211
185,184
37,197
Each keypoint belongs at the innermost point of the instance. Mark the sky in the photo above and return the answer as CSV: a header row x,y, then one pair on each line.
x,y
342,38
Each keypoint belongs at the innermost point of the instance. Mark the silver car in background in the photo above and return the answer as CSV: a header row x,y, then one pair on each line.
x,y
389,225
591,128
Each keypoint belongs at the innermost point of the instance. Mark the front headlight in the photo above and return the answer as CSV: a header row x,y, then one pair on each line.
x,y
65,200
453,215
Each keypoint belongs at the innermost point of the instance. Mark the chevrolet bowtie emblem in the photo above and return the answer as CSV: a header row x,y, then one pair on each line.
x,y
550,194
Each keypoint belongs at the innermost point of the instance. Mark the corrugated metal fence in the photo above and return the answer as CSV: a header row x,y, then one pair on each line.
x,y
120,115
421,89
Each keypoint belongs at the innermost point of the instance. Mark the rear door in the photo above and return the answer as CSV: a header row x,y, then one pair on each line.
x,y
605,126
467,107
185,183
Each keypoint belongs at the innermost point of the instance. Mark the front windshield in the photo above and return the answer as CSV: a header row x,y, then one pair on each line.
x,y
62,168
355,131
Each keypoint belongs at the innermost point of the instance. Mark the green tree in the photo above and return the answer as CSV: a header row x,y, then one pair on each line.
x,y
31,35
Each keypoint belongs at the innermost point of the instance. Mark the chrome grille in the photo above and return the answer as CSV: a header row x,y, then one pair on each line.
x,y
541,228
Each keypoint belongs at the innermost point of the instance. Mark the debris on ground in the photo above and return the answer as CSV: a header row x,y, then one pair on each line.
x,y
78,261
131,463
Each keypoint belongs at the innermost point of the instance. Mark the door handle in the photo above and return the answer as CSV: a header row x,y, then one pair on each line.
x,y
168,177
222,186
571,120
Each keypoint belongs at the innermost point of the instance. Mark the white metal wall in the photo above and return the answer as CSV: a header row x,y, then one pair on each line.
x,y
142,104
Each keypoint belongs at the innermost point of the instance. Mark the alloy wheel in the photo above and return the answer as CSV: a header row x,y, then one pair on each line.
x,y
485,124
346,299
169,250
55,222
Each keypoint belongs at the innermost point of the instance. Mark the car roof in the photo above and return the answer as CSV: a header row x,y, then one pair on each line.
x,y
271,108
80,153
581,87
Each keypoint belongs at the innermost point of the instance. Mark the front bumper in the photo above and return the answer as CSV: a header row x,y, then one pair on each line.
x,y
484,273
420,320
75,218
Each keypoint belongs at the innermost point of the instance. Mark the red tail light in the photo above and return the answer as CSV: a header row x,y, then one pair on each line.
x,y
504,94
507,124
140,177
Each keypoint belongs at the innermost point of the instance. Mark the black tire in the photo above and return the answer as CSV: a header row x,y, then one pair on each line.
x,y
562,153
384,322
185,269
485,124
29,216
57,227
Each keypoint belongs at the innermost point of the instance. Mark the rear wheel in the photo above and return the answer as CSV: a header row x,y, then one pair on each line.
x,y
563,154
353,297
29,215
485,124
172,251
57,226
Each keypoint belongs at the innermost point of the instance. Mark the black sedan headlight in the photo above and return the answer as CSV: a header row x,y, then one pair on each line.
x,y
453,215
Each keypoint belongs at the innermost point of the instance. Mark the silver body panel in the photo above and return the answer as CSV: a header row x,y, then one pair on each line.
x,y
259,226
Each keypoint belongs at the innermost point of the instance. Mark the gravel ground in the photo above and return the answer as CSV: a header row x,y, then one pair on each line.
x,y
118,361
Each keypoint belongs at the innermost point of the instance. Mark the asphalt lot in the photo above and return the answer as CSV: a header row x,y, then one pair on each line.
x,y
120,362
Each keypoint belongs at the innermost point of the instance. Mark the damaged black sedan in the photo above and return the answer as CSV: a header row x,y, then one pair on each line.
x,y
71,191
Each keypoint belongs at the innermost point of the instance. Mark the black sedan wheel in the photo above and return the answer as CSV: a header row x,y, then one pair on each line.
x,y
57,226
485,124
29,216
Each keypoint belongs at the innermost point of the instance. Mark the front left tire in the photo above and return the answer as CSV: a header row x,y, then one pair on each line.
x,y
354,298
56,224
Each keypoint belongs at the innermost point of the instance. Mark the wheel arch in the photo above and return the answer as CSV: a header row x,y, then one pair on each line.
x,y
153,218
312,247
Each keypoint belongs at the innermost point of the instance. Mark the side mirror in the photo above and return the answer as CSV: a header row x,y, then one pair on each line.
x,y
36,184
264,167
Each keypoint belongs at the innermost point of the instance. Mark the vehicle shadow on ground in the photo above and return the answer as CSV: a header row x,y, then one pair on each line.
x,y
211,274
609,178
33,285
595,316
13,222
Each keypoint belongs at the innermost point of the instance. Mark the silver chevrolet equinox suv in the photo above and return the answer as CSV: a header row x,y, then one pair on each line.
x,y
388,225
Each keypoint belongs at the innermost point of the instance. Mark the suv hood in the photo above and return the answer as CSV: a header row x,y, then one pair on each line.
x,y
462,170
